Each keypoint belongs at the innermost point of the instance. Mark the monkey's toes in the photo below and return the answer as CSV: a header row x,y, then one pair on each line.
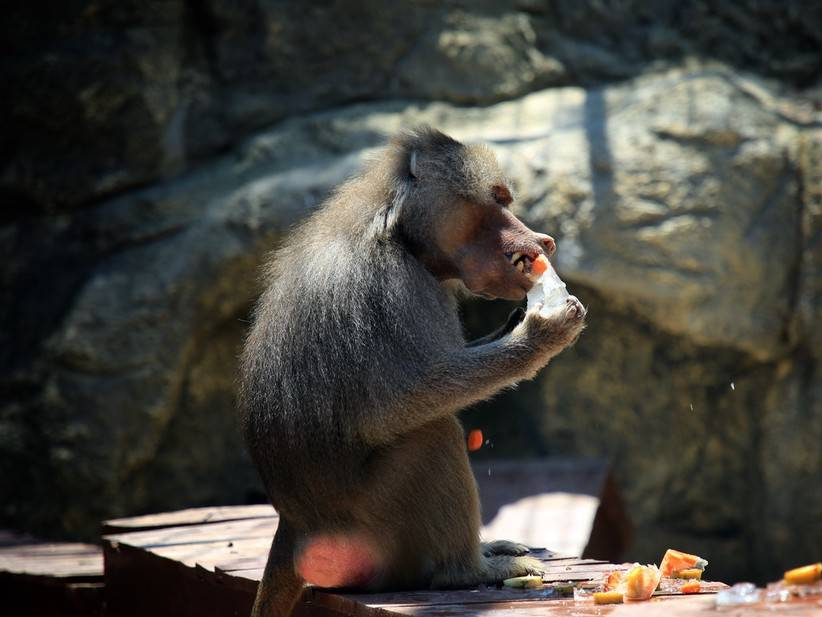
x,y
504,547
524,566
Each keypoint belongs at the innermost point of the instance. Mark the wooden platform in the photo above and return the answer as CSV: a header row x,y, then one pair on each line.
x,y
46,578
209,562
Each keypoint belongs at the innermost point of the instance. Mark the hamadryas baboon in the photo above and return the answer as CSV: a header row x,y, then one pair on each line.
x,y
356,365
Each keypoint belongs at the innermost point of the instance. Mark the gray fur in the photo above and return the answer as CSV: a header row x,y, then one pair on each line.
x,y
356,364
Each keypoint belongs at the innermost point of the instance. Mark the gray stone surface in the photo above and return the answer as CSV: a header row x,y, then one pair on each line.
x,y
140,193
111,95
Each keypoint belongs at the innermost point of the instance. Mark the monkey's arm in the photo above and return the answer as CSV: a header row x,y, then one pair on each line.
x,y
513,319
471,374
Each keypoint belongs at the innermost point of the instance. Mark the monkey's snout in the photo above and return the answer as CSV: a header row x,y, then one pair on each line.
x,y
549,243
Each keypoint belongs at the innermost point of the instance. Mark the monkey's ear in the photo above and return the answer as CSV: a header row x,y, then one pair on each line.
x,y
412,165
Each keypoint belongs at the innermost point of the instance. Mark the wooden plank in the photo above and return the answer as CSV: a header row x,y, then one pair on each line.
x,y
190,516
228,531
48,578
37,595
55,560
669,606
251,568
207,554
140,582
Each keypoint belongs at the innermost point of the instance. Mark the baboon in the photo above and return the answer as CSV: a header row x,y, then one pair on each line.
x,y
356,365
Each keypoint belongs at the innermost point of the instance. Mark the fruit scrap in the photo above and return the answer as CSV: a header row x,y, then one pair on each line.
x,y
474,440
804,575
613,580
691,587
677,561
692,573
563,589
608,597
640,582
523,582
540,265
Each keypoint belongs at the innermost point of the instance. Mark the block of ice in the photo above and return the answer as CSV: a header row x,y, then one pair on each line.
x,y
548,290
741,593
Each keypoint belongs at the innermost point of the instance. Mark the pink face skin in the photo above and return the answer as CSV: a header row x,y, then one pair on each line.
x,y
479,241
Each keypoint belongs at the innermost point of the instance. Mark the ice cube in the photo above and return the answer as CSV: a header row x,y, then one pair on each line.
x,y
739,594
548,290
777,592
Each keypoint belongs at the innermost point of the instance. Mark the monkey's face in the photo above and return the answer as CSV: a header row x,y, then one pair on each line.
x,y
490,249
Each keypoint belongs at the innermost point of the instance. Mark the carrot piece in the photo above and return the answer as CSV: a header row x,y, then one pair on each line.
x,y
608,597
692,587
804,575
540,265
475,440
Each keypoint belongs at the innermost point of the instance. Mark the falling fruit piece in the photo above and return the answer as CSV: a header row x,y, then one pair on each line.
x,y
474,440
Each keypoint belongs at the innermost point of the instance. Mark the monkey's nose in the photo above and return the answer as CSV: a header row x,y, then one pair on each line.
x,y
548,242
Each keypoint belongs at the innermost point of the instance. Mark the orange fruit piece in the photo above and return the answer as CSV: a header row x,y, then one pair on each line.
x,y
804,575
607,597
692,587
693,573
640,582
613,580
540,265
474,440
676,561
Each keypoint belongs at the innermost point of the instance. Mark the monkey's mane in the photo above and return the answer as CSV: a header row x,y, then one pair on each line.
x,y
348,318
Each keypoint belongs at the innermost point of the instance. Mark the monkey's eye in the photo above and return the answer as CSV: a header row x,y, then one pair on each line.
x,y
502,195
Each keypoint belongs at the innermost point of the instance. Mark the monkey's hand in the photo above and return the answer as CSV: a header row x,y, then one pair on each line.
x,y
546,334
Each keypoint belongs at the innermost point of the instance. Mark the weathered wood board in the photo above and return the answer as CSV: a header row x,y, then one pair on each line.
x,y
191,567
48,578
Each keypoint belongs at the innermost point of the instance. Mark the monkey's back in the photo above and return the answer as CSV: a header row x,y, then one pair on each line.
x,y
344,325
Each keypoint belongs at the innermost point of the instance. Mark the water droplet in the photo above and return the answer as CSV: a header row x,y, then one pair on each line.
x,y
733,387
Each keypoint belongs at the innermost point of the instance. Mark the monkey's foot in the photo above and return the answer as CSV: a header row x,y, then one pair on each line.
x,y
504,547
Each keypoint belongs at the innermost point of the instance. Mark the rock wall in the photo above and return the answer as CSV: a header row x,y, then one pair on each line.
x,y
153,155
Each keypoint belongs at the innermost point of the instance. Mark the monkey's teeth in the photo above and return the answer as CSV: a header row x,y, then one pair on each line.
x,y
515,256
520,266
